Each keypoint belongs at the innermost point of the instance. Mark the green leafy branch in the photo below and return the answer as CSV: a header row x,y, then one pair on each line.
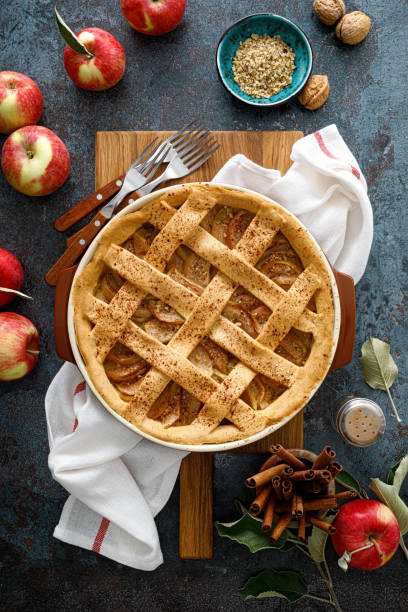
x,y
272,583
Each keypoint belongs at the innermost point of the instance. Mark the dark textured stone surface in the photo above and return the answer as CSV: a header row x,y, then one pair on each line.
x,y
168,80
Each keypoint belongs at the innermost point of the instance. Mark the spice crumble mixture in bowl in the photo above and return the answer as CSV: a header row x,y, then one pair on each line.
x,y
264,60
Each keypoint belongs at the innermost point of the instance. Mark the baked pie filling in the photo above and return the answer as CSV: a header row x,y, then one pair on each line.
x,y
205,316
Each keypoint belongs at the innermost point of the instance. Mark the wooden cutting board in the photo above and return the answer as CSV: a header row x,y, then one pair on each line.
x,y
114,152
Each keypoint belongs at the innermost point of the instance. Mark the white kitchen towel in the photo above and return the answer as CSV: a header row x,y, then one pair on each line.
x,y
325,189
118,480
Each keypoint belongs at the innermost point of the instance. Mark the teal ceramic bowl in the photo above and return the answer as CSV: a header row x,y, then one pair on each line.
x,y
265,23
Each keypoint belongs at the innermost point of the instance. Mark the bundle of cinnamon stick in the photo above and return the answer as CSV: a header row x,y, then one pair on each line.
x,y
293,491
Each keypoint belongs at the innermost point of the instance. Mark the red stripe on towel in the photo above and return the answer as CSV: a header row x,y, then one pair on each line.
x,y
75,425
80,387
103,528
326,151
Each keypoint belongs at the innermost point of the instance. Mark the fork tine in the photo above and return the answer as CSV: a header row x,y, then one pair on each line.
x,y
183,129
198,143
202,160
159,160
143,153
191,143
188,136
146,164
194,155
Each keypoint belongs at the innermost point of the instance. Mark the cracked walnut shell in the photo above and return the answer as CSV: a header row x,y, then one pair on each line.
x,y
329,11
353,28
315,92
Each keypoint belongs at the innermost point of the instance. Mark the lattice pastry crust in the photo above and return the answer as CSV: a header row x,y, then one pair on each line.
x,y
205,316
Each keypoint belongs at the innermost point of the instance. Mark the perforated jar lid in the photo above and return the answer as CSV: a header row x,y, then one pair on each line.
x,y
360,421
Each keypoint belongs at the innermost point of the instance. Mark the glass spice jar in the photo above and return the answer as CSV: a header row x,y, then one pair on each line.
x,y
359,420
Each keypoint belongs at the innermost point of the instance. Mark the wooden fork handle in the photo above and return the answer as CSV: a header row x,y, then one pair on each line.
x,y
83,208
83,238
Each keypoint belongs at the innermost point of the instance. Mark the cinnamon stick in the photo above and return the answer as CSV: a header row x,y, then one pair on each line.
x,y
321,524
263,477
287,457
276,485
334,468
269,512
280,528
293,507
302,527
287,489
313,487
322,503
322,461
260,500
346,495
297,506
302,475
324,475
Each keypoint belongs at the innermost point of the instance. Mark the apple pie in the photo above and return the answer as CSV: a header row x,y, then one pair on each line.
x,y
205,316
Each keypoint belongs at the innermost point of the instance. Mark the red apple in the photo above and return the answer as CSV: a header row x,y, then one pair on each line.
x,y
19,346
366,523
101,71
153,17
11,276
21,102
35,161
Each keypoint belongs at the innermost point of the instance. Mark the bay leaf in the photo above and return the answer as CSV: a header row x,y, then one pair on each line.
x,y
348,481
316,542
70,38
247,531
389,494
379,368
391,473
272,583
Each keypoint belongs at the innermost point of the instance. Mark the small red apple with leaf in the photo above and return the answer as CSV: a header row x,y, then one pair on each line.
x,y
94,59
367,534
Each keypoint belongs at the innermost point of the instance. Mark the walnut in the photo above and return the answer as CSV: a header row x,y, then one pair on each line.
x,y
353,28
315,92
329,11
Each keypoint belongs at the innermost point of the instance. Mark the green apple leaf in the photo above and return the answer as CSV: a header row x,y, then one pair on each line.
x,y
70,38
379,368
391,474
272,583
316,542
247,531
389,494
348,481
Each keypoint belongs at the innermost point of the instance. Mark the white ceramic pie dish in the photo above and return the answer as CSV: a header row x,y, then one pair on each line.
x,y
202,447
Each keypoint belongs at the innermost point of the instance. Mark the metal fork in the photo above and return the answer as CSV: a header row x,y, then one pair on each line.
x,y
191,150
140,172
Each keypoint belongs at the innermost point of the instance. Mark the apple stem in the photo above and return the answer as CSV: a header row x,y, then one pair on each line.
x,y
32,352
23,295
377,548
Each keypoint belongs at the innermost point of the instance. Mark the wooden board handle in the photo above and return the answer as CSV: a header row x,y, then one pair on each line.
x,y
196,506
345,345
83,208
62,291
75,249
